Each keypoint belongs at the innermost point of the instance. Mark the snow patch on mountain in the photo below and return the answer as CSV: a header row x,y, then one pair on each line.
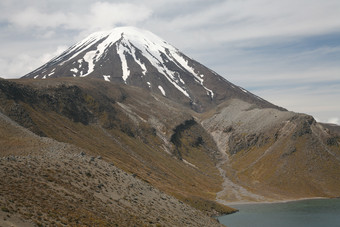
x,y
244,90
88,57
107,77
75,70
121,50
132,52
162,90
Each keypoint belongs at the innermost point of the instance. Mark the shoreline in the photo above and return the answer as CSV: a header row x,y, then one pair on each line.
x,y
277,201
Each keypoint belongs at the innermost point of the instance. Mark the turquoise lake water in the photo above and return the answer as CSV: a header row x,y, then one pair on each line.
x,y
305,213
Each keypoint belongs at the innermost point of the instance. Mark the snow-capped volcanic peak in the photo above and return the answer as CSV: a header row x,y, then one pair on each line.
x,y
139,58
133,46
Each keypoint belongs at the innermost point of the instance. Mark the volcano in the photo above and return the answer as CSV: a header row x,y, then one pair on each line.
x,y
139,58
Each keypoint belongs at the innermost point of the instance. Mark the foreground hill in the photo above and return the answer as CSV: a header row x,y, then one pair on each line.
x,y
44,182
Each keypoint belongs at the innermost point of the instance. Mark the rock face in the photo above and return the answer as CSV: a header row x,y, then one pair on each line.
x,y
136,57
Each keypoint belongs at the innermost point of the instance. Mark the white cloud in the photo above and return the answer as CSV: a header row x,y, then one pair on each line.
x,y
48,35
32,17
293,77
247,21
318,101
106,15
98,16
48,56
250,21
25,63
334,120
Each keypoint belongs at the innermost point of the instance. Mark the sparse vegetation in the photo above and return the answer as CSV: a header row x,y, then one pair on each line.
x,y
5,209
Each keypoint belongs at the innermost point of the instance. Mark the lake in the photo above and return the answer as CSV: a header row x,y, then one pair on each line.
x,y
311,213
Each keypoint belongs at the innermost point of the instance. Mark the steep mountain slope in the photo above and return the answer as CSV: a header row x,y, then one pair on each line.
x,y
47,183
136,57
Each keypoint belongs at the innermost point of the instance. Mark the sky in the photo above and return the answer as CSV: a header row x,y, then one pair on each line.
x,y
287,52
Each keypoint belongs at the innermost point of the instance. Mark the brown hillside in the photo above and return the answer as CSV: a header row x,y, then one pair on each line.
x,y
44,182
124,125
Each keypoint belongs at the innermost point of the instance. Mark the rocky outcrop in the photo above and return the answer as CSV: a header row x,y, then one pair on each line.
x,y
66,100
